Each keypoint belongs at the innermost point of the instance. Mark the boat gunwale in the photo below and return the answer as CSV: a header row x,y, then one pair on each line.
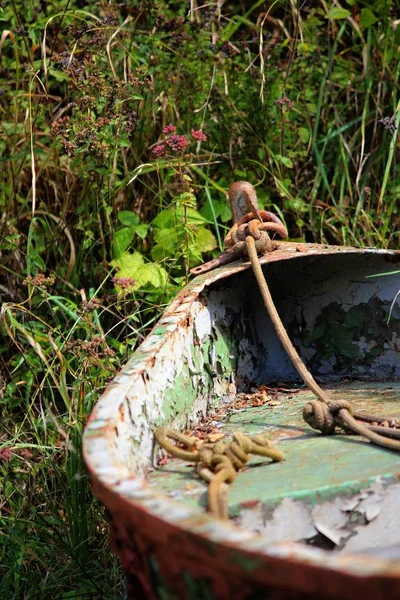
x,y
112,479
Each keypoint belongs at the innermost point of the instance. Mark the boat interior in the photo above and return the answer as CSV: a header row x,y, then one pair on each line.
x,y
342,312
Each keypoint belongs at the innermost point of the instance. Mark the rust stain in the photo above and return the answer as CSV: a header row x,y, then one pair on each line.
x,y
250,503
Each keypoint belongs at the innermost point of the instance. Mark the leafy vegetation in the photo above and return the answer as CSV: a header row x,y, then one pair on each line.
x,y
122,127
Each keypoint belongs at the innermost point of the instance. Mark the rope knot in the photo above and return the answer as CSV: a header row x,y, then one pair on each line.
x,y
338,405
325,416
222,462
257,229
318,416
263,243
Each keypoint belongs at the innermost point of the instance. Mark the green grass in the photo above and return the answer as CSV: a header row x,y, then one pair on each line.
x,y
103,214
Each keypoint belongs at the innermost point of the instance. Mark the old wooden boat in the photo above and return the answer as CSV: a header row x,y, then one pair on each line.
x,y
338,492
324,523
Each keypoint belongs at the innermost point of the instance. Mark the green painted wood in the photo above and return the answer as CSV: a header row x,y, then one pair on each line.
x,y
316,467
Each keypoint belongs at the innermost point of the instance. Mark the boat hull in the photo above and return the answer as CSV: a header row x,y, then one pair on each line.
x,y
213,341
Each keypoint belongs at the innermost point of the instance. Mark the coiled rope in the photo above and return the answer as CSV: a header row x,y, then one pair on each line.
x,y
217,462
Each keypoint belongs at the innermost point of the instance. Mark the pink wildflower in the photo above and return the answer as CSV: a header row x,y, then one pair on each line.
x,y
5,454
198,135
169,129
178,143
123,282
25,453
159,151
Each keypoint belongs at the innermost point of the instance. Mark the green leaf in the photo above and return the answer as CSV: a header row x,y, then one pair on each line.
x,y
299,205
127,217
304,134
123,144
206,210
39,262
170,217
225,213
221,209
186,199
165,219
159,253
194,256
367,17
128,264
167,239
152,274
194,217
132,265
336,12
122,239
59,75
382,274
141,230
205,240
284,160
